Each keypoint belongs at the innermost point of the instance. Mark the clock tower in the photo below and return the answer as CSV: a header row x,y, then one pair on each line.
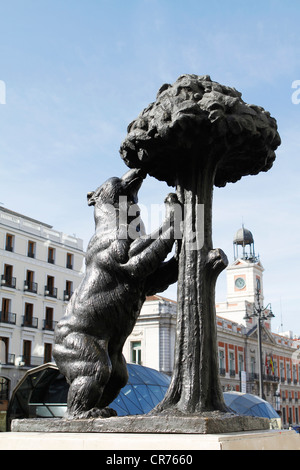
x,y
244,275
246,272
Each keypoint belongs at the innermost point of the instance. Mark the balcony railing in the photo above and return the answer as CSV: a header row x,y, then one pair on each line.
x,y
8,281
8,317
270,378
67,295
30,322
49,325
51,291
30,287
10,359
30,361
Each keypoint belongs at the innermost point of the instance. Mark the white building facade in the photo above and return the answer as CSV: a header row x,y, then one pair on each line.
x,y
152,340
39,268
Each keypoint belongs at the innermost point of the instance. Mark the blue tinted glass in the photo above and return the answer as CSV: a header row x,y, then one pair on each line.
x,y
142,393
158,393
145,377
119,410
133,375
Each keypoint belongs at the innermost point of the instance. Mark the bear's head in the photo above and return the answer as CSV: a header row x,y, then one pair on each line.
x,y
113,199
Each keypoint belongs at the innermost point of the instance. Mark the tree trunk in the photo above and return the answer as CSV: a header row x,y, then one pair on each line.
x,y
195,386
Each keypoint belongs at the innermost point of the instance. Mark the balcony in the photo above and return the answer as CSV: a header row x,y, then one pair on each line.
x,y
30,361
9,360
51,291
31,322
270,378
67,295
31,287
8,317
49,325
8,281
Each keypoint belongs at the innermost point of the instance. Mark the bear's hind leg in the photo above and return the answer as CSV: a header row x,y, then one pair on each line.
x,y
117,380
88,368
83,398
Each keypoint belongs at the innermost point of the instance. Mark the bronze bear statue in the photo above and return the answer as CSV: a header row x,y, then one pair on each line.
x,y
123,266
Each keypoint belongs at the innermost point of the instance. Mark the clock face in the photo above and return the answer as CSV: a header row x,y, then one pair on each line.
x,y
240,283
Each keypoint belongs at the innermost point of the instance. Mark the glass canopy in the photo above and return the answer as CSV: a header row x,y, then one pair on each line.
x,y
249,405
42,393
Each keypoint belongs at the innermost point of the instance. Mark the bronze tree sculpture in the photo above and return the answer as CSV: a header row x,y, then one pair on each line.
x,y
198,134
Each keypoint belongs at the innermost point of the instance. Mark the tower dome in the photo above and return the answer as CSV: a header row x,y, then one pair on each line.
x,y
244,238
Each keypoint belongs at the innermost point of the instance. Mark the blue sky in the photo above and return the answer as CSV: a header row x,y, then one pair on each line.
x,y
78,72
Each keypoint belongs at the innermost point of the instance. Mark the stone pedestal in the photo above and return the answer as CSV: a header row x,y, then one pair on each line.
x,y
206,423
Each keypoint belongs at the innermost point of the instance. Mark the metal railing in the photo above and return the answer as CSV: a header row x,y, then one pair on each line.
x,y
30,287
8,281
51,291
8,317
31,322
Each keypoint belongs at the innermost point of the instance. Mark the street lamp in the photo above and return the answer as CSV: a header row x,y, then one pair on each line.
x,y
262,314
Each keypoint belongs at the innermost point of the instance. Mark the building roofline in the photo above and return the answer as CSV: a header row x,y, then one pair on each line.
x,y
17,214
150,298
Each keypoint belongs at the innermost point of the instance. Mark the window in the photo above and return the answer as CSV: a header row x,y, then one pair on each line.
x,y
51,255
48,324
9,244
241,362
5,315
29,285
288,372
7,278
50,290
28,319
68,290
5,310
47,352
222,362
4,350
294,374
31,249
136,352
231,364
4,388
28,314
282,374
69,264
27,352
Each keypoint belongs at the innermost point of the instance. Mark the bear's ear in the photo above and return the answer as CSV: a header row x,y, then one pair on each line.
x,y
90,198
